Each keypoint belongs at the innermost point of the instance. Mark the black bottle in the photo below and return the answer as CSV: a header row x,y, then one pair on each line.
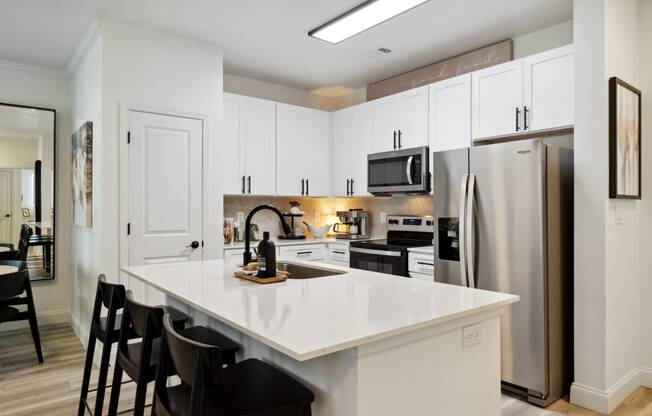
x,y
266,257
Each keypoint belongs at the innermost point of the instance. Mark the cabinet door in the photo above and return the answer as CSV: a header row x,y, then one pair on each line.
x,y
314,134
387,116
259,136
450,114
413,125
497,100
233,156
352,142
288,176
549,86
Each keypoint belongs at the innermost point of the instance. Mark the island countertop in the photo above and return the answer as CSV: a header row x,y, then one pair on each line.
x,y
310,318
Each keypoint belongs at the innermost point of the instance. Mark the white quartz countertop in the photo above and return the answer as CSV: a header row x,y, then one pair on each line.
x,y
309,318
424,250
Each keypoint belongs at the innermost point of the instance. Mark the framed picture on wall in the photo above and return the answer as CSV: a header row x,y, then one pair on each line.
x,y
624,140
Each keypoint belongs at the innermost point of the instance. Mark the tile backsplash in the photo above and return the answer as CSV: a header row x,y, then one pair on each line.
x,y
319,209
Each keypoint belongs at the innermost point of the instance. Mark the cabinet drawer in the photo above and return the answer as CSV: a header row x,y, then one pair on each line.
x,y
309,252
421,263
421,276
338,252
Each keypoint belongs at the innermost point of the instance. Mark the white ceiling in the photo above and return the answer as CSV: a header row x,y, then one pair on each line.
x,y
267,39
25,123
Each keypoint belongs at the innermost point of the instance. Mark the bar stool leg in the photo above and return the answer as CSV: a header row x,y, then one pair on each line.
x,y
36,337
141,395
88,366
101,382
116,384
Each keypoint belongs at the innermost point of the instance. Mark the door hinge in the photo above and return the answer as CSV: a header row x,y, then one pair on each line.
x,y
128,137
128,228
202,243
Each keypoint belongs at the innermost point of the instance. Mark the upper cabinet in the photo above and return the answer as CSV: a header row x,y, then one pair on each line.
x,y
249,145
352,142
303,144
549,89
526,95
400,121
450,113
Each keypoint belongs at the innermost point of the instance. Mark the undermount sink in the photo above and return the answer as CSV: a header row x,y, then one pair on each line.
x,y
300,271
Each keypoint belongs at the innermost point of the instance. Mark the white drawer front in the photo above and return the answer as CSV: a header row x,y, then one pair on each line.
x,y
233,257
308,252
338,252
421,276
421,263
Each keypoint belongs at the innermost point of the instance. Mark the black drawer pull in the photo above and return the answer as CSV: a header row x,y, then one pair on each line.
x,y
300,253
339,252
425,264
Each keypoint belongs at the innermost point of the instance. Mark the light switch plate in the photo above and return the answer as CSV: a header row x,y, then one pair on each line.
x,y
471,335
618,210
315,215
383,217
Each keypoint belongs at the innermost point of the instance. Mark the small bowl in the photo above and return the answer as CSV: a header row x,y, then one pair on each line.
x,y
319,232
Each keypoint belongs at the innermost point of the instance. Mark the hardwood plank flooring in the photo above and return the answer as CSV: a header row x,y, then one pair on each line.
x,y
52,388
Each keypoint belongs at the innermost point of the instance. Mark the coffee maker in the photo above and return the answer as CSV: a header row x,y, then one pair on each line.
x,y
353,225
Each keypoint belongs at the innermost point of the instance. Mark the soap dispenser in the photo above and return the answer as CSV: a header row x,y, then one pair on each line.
x,y
266,264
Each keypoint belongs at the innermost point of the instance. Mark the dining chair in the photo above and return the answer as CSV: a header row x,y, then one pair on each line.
x,y
23,245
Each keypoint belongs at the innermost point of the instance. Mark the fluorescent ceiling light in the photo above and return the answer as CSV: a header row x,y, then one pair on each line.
x,y
365,16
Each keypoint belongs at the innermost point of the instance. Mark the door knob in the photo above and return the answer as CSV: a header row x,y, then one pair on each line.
x,y
193,245
8,215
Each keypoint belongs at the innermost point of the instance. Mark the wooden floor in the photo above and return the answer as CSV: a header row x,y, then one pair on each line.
x,y
52,388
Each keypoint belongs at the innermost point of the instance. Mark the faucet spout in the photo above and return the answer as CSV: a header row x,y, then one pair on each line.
x,y
246,256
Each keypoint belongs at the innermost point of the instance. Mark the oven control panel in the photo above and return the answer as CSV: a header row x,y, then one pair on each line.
x,y
411,223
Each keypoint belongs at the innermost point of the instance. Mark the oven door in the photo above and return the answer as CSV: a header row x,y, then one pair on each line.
x,y
381,261
399,171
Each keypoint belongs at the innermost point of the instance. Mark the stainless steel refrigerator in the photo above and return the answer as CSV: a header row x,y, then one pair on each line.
x,y
504,216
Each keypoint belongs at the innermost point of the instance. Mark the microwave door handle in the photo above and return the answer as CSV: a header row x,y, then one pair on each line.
x,y
408,169
470,235
462,230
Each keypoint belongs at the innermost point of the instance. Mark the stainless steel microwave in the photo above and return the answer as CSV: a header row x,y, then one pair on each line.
x,y
404,171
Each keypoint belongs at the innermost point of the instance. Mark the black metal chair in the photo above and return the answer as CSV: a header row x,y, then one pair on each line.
x,y
23,245
12,287
140,359
46,242
208,388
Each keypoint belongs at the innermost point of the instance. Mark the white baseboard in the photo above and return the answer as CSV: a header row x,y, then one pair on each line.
x,y
55,316
605,402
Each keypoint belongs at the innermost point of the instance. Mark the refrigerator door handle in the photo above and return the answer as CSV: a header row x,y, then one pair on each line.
x,y
462,230
470,237
408,169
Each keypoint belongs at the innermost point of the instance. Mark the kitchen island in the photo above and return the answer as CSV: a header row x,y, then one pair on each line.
x,y
365,343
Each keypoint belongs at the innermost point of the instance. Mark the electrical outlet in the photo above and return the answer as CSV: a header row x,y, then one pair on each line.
x,y
471,335
383,217
618,212
315,215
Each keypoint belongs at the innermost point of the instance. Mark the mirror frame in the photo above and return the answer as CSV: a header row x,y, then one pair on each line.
x,y
55,196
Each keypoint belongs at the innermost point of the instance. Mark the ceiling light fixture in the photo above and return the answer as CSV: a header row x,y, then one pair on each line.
x,y
363,17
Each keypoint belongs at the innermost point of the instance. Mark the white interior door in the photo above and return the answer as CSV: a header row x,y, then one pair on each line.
x,y
5,207
164,188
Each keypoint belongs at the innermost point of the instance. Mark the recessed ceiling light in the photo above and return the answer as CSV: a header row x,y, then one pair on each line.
x,y
363,17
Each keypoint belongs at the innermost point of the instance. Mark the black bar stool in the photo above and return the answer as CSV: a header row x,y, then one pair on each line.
x,y
146,322
12,287
23,245
106,330
208,388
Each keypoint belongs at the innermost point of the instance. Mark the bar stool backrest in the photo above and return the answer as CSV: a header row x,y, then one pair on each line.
x,y
23,242
13,284
144,319
109,295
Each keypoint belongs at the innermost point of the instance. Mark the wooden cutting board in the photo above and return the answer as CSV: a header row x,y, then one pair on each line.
x,y
265,280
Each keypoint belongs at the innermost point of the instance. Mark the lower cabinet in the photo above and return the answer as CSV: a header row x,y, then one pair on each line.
x,y
421,276
332,253
421,266
338,254
307,252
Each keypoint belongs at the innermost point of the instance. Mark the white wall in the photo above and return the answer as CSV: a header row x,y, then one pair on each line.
x,y
20,84
136,66
16,153
542,40
607,310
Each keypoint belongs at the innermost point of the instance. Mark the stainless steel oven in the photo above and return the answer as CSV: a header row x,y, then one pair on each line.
x,y
379,260
398,171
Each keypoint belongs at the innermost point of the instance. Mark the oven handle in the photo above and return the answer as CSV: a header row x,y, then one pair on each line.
x,y
408,169
376,252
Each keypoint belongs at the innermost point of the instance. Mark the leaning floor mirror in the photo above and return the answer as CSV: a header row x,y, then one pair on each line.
x,y
28,188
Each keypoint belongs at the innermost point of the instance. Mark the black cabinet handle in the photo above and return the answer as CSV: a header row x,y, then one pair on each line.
x,y
249,184
243,184
348,184
303,253
525,111
394,139
303,186
338,252
351,186
425,264
308,187
518,113
399,139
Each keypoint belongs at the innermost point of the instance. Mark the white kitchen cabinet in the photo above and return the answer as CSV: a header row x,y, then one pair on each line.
x,y
338,254
421,263
524,96
352,142
249,144
549,93
450,114
306,252
303,143
400,121
497,100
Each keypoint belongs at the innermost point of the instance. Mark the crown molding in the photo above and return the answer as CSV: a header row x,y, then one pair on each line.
x,y
15,66
91,34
